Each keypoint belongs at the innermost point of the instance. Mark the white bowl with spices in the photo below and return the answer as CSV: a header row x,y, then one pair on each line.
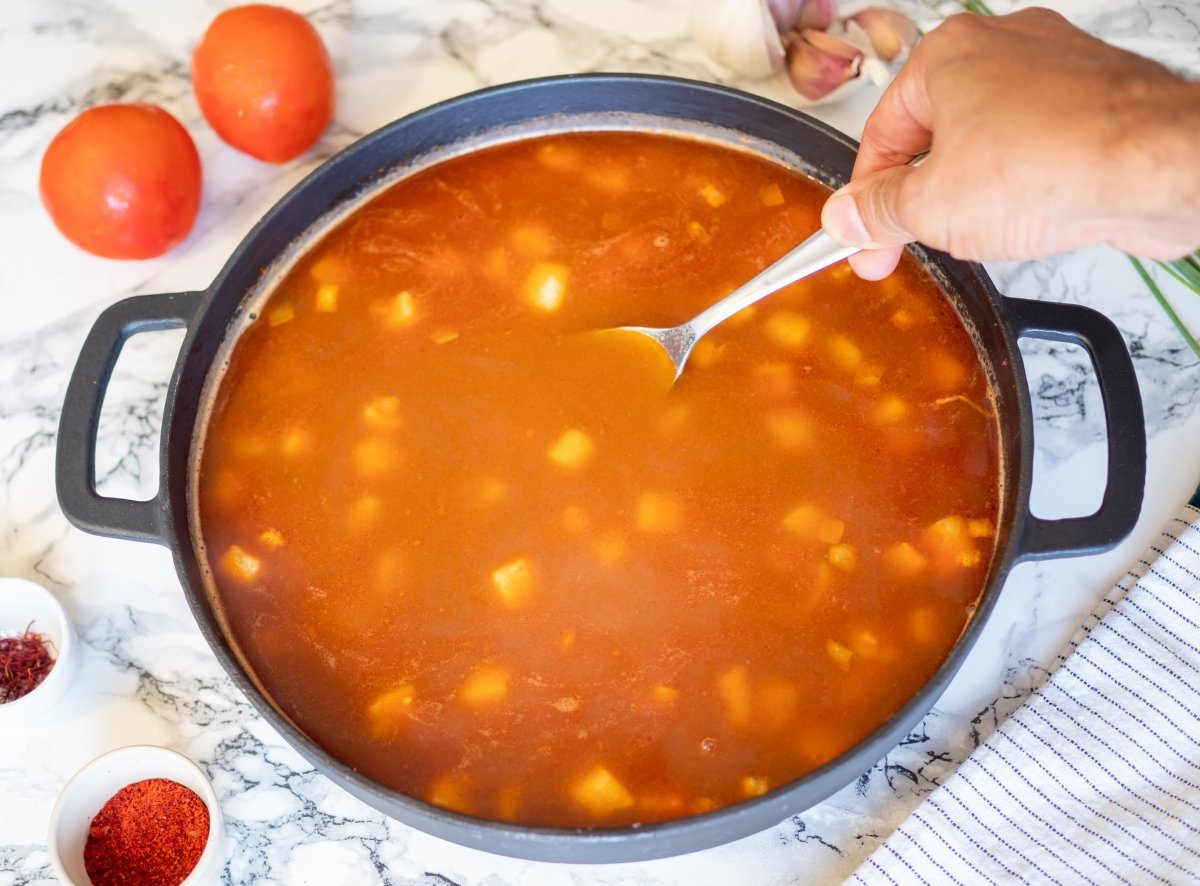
x,y
85,797
27,609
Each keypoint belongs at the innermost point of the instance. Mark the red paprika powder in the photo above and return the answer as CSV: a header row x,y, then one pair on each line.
x,y
149,833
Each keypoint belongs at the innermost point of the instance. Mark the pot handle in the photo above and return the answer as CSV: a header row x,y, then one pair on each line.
x,y
1124,424
75,465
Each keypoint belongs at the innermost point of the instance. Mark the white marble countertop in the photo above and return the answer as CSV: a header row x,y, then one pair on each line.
x,y
147,675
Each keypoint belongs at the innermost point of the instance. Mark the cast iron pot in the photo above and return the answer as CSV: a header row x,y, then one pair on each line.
x,y
556,104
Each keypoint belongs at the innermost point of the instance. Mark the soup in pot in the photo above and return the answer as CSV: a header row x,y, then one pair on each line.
x,y
493,559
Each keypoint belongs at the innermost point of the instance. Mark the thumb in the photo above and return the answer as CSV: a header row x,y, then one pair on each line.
x,y
867,211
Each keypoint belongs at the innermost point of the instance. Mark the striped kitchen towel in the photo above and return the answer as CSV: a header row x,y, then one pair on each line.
x,y
1096,777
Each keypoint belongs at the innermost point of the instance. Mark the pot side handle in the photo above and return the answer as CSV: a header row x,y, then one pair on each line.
x,y
1124,423
75,460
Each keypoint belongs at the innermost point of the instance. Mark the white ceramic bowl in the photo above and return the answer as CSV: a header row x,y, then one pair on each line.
x,y
96,782
24,604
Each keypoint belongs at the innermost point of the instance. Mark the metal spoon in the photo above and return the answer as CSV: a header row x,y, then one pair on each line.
x,y
816,253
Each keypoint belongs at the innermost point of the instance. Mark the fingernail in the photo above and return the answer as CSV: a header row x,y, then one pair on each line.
x,y
842,222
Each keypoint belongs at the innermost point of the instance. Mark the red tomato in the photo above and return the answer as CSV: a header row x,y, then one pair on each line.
x,y
122,181
264,81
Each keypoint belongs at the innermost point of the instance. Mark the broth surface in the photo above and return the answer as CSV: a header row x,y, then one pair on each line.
x,y
484,556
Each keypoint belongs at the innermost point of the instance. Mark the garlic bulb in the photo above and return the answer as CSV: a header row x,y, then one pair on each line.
x,y
739,34
891,33
819,14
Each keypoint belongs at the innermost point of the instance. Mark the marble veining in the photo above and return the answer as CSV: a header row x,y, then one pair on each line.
x,y
147,673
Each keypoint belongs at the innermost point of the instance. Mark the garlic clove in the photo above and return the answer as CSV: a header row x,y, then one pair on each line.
x,y
818,63
891,33
739,34
819,14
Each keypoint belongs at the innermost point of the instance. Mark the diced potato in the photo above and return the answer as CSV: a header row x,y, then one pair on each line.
x,y
703,804
560,157
240,565
790,428
281,314
844,353
903,560
443,336
968,559
532,241
600,793
567,640
713,195
331,268
775,701
817,746
497,265
513,582
227,488
401,311
864,643
374,456
609,178
364,512
742,317
664,695
487,684
508,802
662,804
952,529
843,557
770,195
945,372
294,443
491,491
674,418
382,413
889,410
776,379
840,654
903,319
389,712
705,353
924,624
754,785
574,519
868,375
953,542
698,232
980,528
327,299
572,449
450,792
734,688
271,539
810,522
249,446
788,328
610,548
546,286
658,513
568,704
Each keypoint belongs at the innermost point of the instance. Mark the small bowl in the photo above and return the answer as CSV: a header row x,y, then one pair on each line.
x,y
93,785
24,604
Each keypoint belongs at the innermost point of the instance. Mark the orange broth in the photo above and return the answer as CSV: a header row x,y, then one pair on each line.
x,y
486,557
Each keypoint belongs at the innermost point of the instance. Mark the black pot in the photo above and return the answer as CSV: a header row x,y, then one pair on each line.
x,y
557,104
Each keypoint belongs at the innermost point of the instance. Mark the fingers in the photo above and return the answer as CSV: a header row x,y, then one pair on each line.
x,y
875,264
901,125
869,211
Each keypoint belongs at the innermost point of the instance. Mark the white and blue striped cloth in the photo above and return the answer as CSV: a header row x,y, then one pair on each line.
x,y
1096,777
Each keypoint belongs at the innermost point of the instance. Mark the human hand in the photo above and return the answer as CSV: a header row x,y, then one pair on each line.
x,y
1042,140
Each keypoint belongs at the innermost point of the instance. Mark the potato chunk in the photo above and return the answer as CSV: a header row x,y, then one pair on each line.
x,y
450,792
811,523
389,712
664,695
754,785
840,654
271,538
401,310
572,449
843,352
531,240
790,428
788,328
326,300
713,196
546,286
889,410
374,456
903,560
382,413
487,684
600,793
513,582
284,313
239,564
734,688
844,557
658,513
770,195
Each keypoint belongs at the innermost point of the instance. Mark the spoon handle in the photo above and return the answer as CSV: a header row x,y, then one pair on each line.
x,y
817,252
